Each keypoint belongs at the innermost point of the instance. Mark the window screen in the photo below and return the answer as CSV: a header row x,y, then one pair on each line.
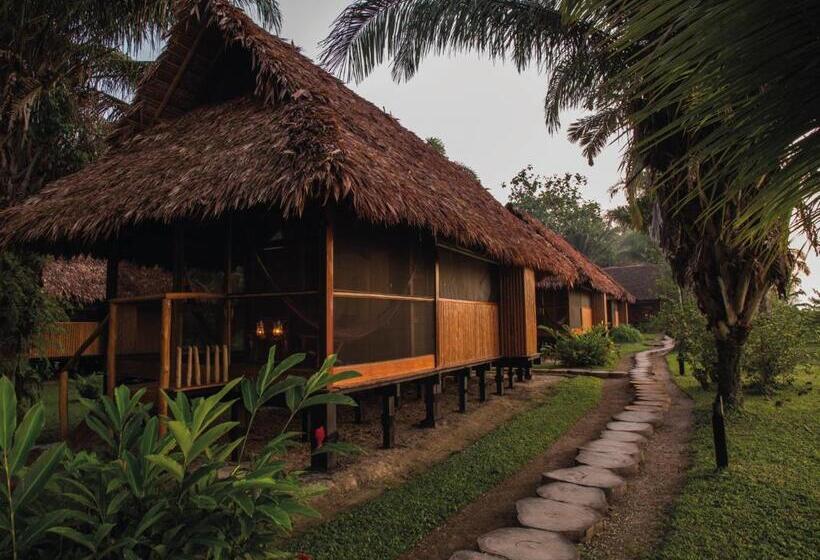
x,y
466,278
373,260
374,330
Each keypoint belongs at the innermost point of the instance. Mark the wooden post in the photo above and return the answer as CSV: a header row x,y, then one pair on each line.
x,y
462,390
510,378
499,381
189,377
178,377
207,363
528,372
217,369
358,413
63,404
322,423
111,351
432,389
328,286
164,361
482,383
389,417
226,363
197,368
519,374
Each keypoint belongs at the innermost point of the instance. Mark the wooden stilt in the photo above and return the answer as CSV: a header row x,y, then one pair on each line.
x,y
510,378
519,374
482,384
432,390
322,430
164,361
499,381
358,413
463,377
527,373
389,417
63,404
398,396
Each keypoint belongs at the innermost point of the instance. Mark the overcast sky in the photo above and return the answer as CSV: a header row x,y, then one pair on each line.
x,y
489,116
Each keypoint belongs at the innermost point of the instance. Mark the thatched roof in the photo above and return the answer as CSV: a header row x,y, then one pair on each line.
x,y
587,273
641,279
232,118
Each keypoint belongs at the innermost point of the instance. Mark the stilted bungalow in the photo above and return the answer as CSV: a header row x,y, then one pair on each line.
x,y
317,222
587,298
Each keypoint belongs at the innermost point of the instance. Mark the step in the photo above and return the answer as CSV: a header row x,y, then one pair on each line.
x,y
631,437
621,464
577,523
574,494
624,447
473,555
520,543
633,416
638,427
595,477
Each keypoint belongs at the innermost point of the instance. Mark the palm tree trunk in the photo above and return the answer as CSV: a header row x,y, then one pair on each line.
x,y
729,352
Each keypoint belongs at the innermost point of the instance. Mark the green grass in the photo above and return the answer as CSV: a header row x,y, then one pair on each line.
x,y
767,505
391,524
49,398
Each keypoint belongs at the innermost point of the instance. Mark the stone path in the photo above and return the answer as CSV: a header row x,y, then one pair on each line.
x,y
572,502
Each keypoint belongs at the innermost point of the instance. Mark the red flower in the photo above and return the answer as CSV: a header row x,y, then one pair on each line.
x,y
319,435
303,556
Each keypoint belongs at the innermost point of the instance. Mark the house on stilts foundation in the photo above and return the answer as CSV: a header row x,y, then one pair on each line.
x,y
289,211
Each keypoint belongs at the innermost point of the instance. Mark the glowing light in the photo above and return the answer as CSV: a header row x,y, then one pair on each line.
x,y
260,329
278,329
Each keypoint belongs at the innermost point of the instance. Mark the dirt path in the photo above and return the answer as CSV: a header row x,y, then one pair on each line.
x,y
635,523
495,508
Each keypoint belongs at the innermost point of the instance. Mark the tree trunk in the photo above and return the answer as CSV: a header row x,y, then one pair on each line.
x,y
729,351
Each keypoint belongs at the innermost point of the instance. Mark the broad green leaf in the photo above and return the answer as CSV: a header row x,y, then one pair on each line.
x,y
8,412
208,438
38,476
182,435
75,536
328,398
25,436
167,464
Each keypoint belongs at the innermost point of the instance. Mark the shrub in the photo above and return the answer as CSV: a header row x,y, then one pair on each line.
x,y
625,333
779,341
590,348
143,495
89,386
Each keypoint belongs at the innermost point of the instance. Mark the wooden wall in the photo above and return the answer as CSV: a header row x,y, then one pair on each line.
x,y
467,330
580,310
517,312
599,308
66,339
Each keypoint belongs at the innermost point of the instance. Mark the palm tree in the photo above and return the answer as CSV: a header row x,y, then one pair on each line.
x,y
63,77
583,53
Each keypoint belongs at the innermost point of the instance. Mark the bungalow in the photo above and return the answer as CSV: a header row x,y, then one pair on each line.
x,y
321,225
579,300
642,281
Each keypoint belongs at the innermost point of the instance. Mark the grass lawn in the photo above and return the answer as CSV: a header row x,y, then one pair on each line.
x,y
767,505
76,412
391,524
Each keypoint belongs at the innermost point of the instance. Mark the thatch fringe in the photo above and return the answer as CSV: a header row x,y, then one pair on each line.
x,y
586,273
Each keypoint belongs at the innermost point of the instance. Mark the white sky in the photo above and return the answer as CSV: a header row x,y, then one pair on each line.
x,y
489,116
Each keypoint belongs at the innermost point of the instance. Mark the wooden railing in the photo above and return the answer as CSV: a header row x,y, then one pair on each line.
x,y
189,372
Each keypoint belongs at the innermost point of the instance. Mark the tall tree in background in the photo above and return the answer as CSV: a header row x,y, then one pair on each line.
x,y
580,49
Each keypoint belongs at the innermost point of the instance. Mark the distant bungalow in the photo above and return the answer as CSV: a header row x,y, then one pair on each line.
x,y
321,225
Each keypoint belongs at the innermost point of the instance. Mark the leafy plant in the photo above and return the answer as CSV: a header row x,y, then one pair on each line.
x,y
625,333
144,494
778,343
589,348
89,386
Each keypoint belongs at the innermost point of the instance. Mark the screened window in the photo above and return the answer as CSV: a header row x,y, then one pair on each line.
x,y
370,259
384,289
466,278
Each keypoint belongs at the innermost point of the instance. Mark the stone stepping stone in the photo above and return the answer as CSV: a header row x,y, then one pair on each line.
x,y
594,477
520,543
638,427
573,494
611,445
634,416
473,555
621,464
658,409
630,437
577,523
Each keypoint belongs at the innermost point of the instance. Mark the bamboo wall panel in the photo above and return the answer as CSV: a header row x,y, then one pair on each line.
x,y
517,313
580,311
468,332
138,329
66,339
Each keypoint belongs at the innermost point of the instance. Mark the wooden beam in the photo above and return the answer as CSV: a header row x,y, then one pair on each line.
x,y
111,350
328,284
178,76
164,360
63,404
